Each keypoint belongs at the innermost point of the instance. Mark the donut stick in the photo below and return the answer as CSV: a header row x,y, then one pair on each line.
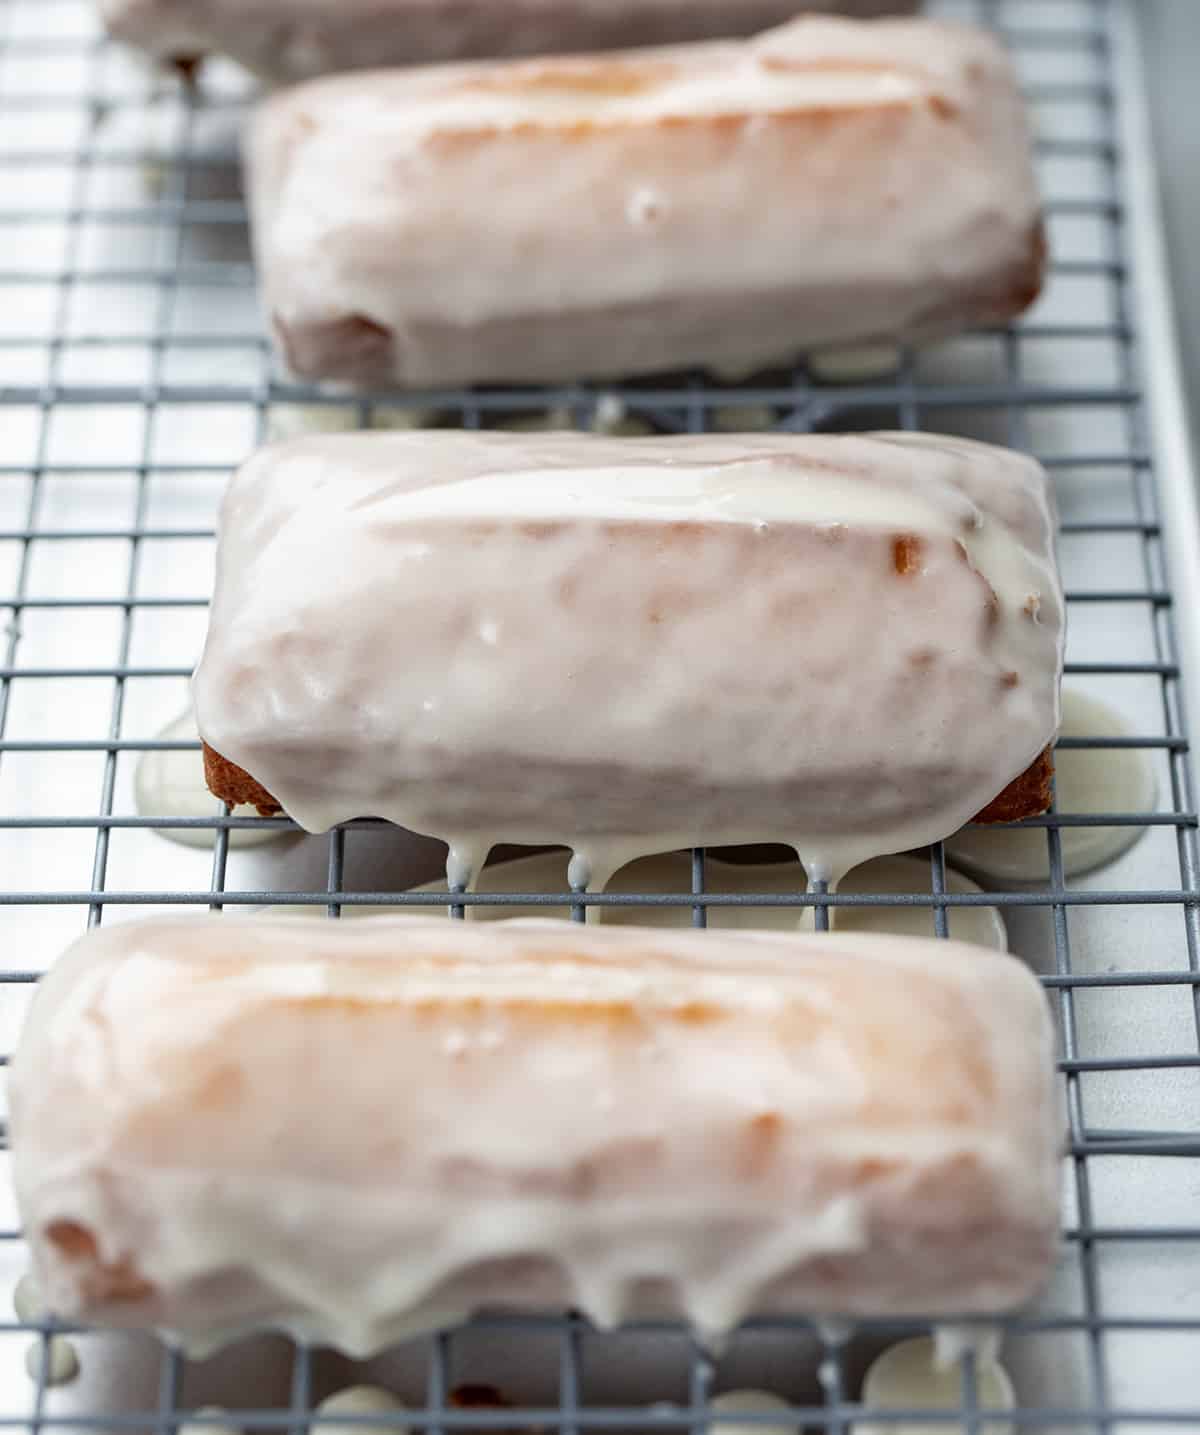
x,y
848,644
289,40
356,1131
721,205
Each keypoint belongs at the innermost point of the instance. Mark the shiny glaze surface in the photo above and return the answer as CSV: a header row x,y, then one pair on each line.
x,y
530,1114
829,182
846,644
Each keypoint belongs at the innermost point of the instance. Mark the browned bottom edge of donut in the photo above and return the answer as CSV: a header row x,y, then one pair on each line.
x,y
233,784
1026,796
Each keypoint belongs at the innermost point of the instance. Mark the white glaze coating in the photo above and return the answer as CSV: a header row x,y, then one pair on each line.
x,y
1086,780
357,1400
225,1427
290,40
954,1340
709,642
856,365
27,1300
982,925
910,1376
752,1402
52,1361
724,205
528,1114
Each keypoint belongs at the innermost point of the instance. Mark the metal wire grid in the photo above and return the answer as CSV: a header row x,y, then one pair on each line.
x,y
129,178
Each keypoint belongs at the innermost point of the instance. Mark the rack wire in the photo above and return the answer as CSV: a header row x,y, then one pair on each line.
x,y
134,374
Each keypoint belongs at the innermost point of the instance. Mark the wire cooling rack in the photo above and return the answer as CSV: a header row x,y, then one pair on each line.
x,y
133,375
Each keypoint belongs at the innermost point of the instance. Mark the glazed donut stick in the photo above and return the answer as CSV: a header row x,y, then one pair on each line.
x,y
723,206
850,645
356,1131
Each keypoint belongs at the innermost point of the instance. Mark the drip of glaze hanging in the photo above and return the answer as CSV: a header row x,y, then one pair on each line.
x,y
671,872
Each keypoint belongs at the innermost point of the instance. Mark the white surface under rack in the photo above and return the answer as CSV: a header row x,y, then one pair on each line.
x,y
134,375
